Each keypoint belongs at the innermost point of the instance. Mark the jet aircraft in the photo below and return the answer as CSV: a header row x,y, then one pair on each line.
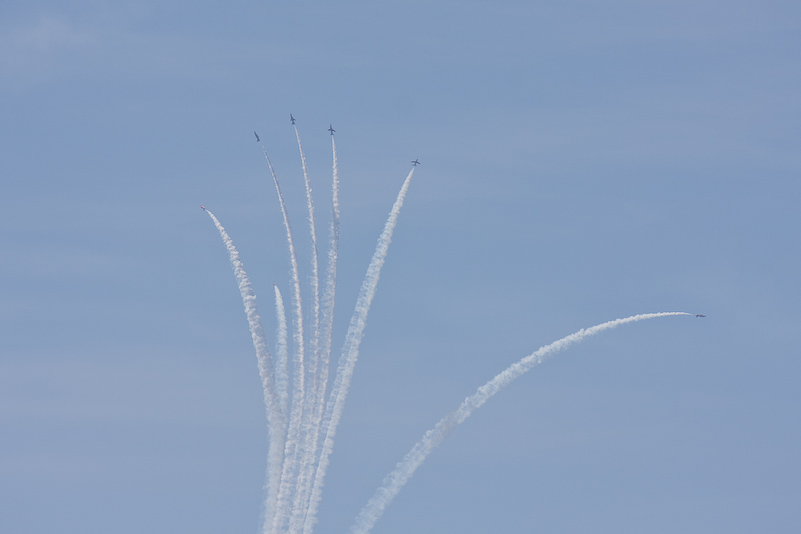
x,y
415,163
700,315
203,207
257,136
331,129
291,118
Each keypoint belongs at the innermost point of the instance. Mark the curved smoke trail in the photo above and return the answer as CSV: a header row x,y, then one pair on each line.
x,y
414,458
350,350
281,372
286,487
274,417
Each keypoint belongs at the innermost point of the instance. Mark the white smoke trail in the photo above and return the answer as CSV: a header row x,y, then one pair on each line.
x,y
315,277
281,372
331,273
350,350
414,458
327,325
304,453
288,473
275,419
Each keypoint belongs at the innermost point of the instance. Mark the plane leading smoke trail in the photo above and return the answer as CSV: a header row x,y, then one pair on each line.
x,y
275,418
350,351
393,482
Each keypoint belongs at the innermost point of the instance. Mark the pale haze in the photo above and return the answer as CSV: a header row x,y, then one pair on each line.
x,y
580,162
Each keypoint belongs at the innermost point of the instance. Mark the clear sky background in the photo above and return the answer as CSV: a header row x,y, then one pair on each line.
x,y
580,161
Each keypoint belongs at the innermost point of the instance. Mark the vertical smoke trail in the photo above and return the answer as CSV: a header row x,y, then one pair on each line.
x,y
281,372
275,419
414,458
350,350
327,325
331,273
304,453
315,277
286,486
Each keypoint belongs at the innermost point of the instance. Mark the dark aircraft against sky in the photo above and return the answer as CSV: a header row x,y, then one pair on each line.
x,y
203,207
257,136
700,315
291,118
331,129
415,163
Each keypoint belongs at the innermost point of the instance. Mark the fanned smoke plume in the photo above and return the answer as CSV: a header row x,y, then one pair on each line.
x,y
302,421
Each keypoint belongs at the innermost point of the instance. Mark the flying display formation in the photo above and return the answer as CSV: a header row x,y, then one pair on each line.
x,y
304,404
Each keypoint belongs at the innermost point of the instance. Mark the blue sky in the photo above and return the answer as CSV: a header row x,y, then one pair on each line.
x,y
581,161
